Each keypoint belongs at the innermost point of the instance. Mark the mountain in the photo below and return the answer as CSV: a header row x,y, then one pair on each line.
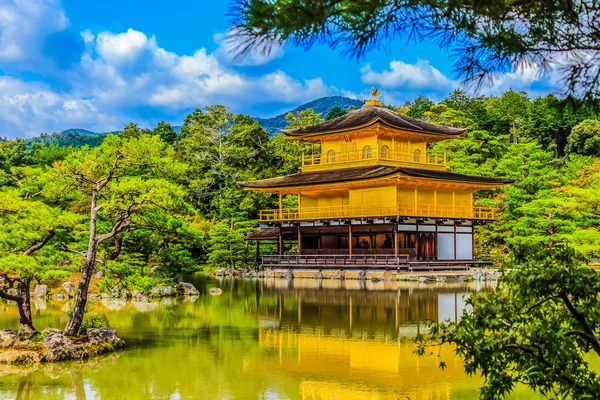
x,y
77,137
322,105
80,131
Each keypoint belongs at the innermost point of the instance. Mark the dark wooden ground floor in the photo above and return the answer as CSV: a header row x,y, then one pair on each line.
x,y
363,245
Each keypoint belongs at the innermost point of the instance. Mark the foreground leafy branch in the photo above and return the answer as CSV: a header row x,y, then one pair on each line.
x,y
536,328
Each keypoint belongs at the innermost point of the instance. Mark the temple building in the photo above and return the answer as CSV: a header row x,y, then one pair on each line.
x,y
375,197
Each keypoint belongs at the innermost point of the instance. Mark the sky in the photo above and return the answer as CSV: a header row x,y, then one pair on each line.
x,y
99,65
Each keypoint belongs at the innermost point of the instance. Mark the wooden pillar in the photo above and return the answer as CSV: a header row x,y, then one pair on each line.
x,y
396,239
417,243
435,201
350,240
257,256
299,242
280,244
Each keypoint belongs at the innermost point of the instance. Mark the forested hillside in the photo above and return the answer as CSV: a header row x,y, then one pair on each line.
x,y
76,137
551,149
320,106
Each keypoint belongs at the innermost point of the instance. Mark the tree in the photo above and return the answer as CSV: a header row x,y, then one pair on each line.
x,y
334,113
303,118
536,327
226,245
31,233
419,107
131,130
166,132
585,139
123,184
489,37
222,149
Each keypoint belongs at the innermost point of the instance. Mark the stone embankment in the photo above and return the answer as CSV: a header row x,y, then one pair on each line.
x,y
363,275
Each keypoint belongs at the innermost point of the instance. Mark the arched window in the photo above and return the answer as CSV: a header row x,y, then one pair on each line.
x,y
331,156
366,152
417,156
385,151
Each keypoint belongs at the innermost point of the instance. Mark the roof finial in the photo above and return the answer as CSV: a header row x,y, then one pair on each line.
x,y
374,102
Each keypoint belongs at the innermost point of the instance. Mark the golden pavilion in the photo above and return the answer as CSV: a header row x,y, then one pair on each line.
x,y
374,198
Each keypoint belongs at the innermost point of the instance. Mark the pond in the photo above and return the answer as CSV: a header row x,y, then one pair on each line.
x,y
261,339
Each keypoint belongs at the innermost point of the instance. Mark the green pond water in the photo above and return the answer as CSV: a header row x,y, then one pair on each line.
x,y
260,339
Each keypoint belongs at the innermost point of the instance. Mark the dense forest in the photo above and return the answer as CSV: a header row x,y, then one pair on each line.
x,y
184,210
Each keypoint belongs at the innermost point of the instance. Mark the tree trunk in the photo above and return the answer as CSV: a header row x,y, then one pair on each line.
x,y
24,303
72,328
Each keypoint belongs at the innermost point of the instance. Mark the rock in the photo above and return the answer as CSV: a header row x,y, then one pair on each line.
x,y
69,288
187,289
289,274
259,274
40,291
115,293
161,291
375,279
57,347
362,275
19,357
340,275
140,298
319,275
221,272
102,335
215,291
7,337
60,296
99,275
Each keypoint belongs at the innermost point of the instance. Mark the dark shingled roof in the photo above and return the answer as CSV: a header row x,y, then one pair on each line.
x,y
361,173
369,114
426,173
316,177
264,234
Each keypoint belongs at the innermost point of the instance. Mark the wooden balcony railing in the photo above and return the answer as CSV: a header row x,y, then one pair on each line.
x,y
375,154
377,210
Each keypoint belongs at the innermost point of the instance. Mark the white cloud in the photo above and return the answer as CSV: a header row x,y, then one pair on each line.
x,y
403,76
23,26
123,47
29,108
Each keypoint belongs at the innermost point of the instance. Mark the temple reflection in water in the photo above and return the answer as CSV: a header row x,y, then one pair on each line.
x,y
357,309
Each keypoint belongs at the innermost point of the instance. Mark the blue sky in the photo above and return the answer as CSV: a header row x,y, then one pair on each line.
x,y
100,64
